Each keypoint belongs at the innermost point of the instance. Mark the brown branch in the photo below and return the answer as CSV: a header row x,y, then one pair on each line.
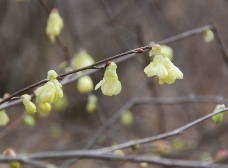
x,y
221,44
127,54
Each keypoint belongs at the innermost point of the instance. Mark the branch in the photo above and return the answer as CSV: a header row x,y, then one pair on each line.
x,y
113,157
102,153
181,99
130,53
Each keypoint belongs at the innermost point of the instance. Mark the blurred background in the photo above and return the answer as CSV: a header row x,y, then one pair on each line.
x,y
105,28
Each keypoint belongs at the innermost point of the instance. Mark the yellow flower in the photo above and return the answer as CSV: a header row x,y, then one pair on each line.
x,y
45,107
110,84
85,84
4,119
162,67
51,91
167,51
82,59
54,25
29,106
46,93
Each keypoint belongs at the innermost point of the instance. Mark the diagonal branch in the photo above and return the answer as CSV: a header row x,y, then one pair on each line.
x,y
121,56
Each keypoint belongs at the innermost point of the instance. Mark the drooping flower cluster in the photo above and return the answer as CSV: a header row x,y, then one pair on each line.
x,y
29,106
110,85
162,67
49,93
54,25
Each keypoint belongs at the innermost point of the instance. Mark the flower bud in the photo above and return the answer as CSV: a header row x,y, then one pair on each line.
x,y
51,75
82,59
156,50
46,93
4,119
127,118
167,51
143,165
119,152
54,25
208,36
44,107
29,120
217,119
29,106
85,84
11,153
91,103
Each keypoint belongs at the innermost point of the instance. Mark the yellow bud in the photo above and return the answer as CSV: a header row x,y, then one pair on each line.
x,y
29,120
167,51
217,119
11,153
85,84
4,119
156,50
44,107
14,164
119,152
51,75
91,103
46,93
82,59
54,25
91,107
127,118
143,165
61,104
208,36
29,106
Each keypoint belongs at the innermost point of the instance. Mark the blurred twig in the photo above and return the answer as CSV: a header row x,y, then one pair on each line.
x,y
104,154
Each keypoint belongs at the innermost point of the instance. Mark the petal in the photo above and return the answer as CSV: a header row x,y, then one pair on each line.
x,y
99,84
118,88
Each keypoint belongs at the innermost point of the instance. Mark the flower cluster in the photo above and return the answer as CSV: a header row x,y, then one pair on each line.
x,y
110,85
162,67
49,93
54,25
29,106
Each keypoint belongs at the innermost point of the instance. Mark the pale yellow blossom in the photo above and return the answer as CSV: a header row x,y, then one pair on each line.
x,y
54,25
110,85
29,106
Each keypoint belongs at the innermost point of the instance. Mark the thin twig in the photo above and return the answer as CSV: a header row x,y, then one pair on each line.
x,y
221,44
113,157
181,99
128,54
102,153
58,41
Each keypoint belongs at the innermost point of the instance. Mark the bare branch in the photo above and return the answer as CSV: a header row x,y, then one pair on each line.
x,y
127,54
